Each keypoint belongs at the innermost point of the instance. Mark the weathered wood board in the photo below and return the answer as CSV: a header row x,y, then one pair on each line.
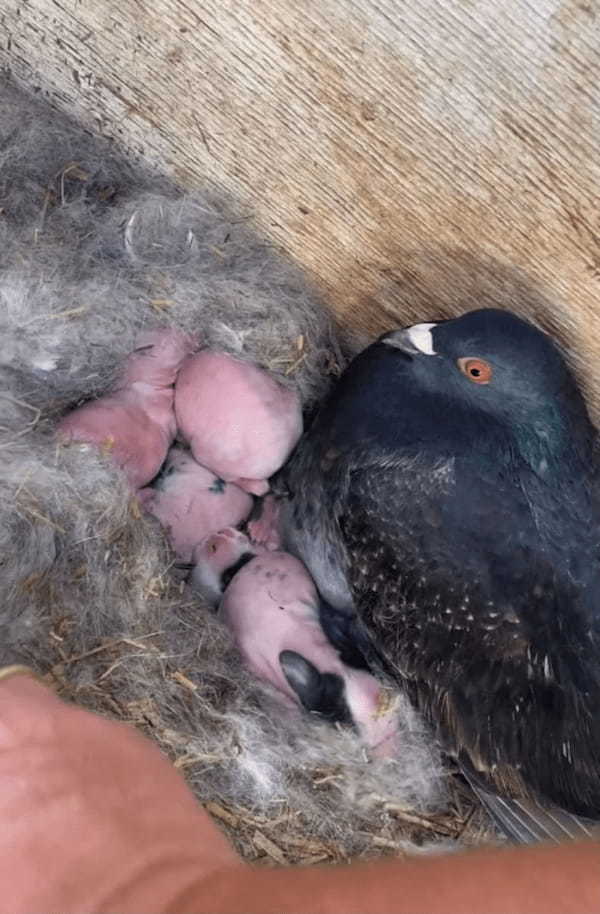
x,y
416,156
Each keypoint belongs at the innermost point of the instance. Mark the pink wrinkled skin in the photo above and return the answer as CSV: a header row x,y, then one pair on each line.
x,y
136,422
271,605
191,502
236,419
264,530
213,556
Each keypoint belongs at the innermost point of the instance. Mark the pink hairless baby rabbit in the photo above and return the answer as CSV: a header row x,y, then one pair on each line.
x,y
135,422
270,604
191,502
237,420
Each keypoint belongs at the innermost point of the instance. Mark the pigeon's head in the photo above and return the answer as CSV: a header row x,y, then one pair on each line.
x,y
493,363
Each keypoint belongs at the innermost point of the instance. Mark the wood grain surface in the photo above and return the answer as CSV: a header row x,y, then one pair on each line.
x,y
417,158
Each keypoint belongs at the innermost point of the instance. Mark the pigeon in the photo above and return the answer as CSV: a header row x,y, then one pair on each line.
x,y
445,500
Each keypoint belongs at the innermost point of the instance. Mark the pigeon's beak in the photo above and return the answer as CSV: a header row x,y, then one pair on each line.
x,y
400,339
415,340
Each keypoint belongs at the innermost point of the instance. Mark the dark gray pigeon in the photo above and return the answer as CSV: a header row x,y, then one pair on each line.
x,y
445,499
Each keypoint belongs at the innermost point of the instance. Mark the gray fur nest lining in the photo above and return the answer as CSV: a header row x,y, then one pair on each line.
x,y
92,251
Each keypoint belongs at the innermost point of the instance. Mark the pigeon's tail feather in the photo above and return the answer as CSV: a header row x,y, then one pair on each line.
x,y
526,822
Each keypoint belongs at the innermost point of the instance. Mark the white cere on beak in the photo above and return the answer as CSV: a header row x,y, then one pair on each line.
x,y
421,338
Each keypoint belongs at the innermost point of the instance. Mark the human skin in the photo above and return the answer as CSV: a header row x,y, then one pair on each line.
x,y
96,820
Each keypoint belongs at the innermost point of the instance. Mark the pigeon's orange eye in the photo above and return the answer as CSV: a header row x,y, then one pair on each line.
x,y
477,370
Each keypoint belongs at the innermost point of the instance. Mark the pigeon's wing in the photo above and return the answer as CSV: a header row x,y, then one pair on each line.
x,y
527,821
477,607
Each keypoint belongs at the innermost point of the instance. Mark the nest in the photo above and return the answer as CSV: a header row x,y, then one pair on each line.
x,y
93,251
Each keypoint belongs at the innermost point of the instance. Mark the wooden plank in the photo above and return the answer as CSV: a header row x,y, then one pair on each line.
x,y
416,157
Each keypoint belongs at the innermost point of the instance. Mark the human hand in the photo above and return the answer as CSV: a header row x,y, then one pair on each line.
x,y
94,818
